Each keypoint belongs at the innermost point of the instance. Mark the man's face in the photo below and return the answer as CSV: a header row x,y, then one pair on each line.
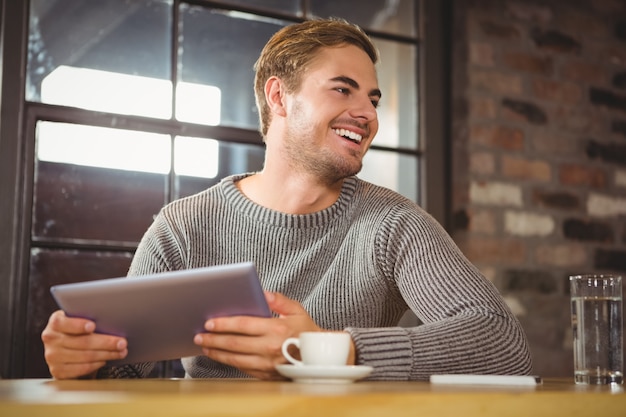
x,y
332,120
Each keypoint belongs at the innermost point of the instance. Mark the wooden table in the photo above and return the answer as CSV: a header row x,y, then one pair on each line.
x,y
180,397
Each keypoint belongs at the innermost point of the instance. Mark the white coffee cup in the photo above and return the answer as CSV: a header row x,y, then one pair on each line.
x,y
319,348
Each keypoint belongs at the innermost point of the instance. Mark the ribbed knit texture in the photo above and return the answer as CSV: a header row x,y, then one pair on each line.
x,y
357,265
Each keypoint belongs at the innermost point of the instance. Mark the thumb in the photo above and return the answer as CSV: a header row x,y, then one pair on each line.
x,y
284,306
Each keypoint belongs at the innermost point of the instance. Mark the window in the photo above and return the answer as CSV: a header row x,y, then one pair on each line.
x,y
130,104
130,65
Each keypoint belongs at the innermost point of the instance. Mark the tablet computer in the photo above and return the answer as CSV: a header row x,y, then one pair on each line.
x,y
159,314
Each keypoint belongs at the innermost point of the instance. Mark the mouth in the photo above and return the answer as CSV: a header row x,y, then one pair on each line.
x,y
349,135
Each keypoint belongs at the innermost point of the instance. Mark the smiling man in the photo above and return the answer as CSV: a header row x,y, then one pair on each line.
x,y
333,252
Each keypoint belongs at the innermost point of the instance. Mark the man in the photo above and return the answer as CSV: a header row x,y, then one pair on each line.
x,y
333,252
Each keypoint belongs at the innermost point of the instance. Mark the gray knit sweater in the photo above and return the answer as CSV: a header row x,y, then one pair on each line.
x,y
357,265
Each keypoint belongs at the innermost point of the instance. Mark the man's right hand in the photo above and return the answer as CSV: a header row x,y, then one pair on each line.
x,y
72,349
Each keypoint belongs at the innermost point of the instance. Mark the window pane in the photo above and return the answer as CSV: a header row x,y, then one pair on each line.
x,y
393,16
398,172
226,159
103,147
196,157
110,55
398,111
108,91
217,52
52,267
198,103
110,198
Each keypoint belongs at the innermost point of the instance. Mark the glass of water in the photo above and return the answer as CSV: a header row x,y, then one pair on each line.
x,y
597,325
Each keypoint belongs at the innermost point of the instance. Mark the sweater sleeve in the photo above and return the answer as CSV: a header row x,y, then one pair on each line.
x,y
466,326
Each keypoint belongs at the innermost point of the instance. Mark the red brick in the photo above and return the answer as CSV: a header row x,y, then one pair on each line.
x,y
481,54
584,71
499,137
529,63
494,250
576,120
482,163
557,91
580,175
482,221
513,116
482,107
561,255
620,178
536,281
496,29
495,82
526,169
546,142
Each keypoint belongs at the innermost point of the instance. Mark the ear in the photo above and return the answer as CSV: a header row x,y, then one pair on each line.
x,y
275,95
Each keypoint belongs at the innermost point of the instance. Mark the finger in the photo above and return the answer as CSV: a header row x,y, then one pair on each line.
x,y
63,358
54,336
247,345
96,342
62,355
245,325
70,325
282,305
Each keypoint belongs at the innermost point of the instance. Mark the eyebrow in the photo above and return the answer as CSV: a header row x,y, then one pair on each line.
x,y
352,83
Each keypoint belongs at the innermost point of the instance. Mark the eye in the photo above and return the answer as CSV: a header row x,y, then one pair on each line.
x,y
375,103
343,90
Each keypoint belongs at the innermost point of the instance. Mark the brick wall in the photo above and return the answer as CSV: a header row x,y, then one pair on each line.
x,y
539,153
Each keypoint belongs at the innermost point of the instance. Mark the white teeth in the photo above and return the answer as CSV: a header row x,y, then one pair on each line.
x,y
349,134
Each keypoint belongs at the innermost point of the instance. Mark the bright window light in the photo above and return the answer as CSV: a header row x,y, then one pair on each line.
x,y
108,91
196,157
126,149
112,92
103,147
197,103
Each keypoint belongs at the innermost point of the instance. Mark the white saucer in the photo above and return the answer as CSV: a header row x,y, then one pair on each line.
x,y
324,374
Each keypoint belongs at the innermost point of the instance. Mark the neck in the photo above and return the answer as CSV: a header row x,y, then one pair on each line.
x,y
288,192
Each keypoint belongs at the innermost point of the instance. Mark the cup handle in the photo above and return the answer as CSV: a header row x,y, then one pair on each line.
x,y
285,347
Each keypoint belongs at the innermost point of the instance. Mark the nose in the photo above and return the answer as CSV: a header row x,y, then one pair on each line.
x,y
364,110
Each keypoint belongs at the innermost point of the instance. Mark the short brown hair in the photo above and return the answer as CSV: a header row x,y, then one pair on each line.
x,y
289,51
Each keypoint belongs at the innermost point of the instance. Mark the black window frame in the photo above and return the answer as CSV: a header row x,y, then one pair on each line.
x,y
17,147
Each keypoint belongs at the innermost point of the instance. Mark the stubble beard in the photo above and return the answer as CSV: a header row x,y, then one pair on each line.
x,y
304,155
